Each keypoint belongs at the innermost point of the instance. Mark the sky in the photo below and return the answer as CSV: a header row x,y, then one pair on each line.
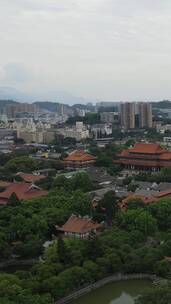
x,y
97,49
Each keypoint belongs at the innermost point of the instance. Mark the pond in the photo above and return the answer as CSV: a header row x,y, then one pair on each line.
x,y
123,292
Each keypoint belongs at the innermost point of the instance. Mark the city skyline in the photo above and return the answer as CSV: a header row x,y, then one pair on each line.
x,y
99,50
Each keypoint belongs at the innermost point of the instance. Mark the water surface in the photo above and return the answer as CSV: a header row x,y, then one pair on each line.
x,y
123,292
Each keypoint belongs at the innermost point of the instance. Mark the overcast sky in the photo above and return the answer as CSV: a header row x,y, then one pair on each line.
x,y
104,49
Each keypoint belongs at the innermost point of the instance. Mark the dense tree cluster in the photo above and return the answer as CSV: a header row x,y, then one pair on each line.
x,y
105,157
89,119
137,240
13,164
80,181
158,295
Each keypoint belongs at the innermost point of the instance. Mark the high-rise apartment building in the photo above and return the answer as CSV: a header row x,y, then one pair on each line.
x,y
128,115
12,110
136,115
145,115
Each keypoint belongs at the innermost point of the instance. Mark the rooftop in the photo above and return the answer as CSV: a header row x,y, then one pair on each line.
x,y
79,155
149,148
24,191
145,199
4,184
30,178
145,151
79,225
100,175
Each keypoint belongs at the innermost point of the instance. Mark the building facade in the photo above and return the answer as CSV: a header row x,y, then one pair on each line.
x,y
136,115
14,110
128,115
145,115
23,191
109,117
79,159
79,227
79,131
145,156
100,130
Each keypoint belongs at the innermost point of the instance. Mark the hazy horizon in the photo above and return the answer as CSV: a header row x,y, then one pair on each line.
x,y
95,49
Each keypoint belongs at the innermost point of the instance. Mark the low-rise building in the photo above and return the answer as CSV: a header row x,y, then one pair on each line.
x,y
100,130
146,197
163,128
30,178
110,117
24,191
78,132
37,136
79,227
78,159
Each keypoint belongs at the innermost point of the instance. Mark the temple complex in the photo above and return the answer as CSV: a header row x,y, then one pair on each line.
x,y
145,156
79,159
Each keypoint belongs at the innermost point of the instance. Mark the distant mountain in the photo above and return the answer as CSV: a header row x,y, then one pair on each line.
x,y
62,97
165,104
47,105
53,96
8,93
79,106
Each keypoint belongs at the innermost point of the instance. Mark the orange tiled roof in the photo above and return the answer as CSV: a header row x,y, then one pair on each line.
x,y
146,200
5,184
30,178
79,155
147,148
23,191
164,193
79,225
165,156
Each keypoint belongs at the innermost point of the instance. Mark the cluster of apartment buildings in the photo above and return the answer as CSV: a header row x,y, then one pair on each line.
x,y
33,124
136,115
130,115
79,131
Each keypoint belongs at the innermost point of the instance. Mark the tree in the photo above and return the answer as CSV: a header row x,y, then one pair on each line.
x,y
109,263
21,164
157,295
14,200
127,180
82,182
61,182
62,251
132,187
130,142
135,204
137,220
110,205
94,248
162,212
30,248
5,249
91,270
80,204
162,268
51,254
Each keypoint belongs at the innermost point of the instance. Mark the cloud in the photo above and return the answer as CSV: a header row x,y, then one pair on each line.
x,y
14,73
38,5
93,48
